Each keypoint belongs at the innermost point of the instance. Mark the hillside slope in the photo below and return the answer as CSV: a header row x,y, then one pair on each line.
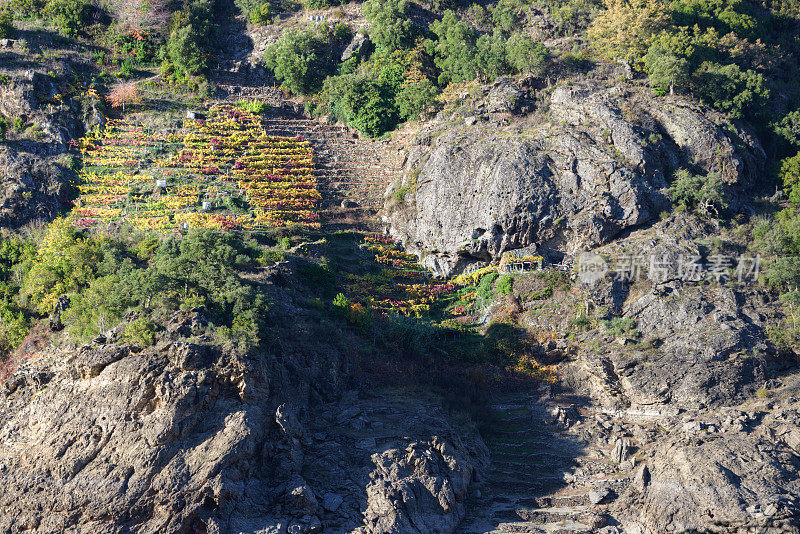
x,y
399,267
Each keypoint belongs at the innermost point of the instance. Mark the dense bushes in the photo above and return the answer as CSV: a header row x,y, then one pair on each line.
x,y
574,15
320,4
390,26
7,30
373,92
26,8
742,93
69,15
778,241
13,321
302,59
389,88
788,128
111,278
704,195
526,55
723,52
666,70
190,39
789,175
462,54
455,49
263,12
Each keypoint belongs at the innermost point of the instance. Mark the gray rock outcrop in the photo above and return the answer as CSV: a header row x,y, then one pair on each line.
x,y
727,484
184,437
599,165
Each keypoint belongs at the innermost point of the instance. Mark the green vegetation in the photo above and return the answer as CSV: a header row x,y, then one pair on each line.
x,y
4,125
375,95
320,4
189,47
505,284
7,30
319,277
106,278
526,55
14,322
704,195
550,279
778,241
789,175
263,12
255,107
485,289
457,53
666,70
621,327
718,51
789,129
301,59
375,90
69,15
390,26
574,15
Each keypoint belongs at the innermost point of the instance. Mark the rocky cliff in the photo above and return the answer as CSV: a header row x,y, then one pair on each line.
x,y
185,437
592,163
34,160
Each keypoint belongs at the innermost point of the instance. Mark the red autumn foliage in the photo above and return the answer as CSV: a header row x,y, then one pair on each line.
x,y
123,94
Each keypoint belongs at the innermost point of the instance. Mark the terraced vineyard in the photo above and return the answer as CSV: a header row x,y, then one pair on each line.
x,y
224,172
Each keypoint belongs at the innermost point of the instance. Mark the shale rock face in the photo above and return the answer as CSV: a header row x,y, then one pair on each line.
x,y
599,164
186,438
727,484
34,172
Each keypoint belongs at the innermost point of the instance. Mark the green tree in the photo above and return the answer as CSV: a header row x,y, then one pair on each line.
x,y
191,37
729,88
704,195
790,177
391,27
320,4
261,14
27,8
96,309
526,55
298,60
506,14
373,109
7,30
14,322
141,332
455,50
438,6
574,15
778,240
67,14
627,28
415,96
491,61
665,69
789,128
65,263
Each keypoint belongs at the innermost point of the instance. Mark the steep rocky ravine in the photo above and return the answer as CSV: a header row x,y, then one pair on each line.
x,y
687,423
